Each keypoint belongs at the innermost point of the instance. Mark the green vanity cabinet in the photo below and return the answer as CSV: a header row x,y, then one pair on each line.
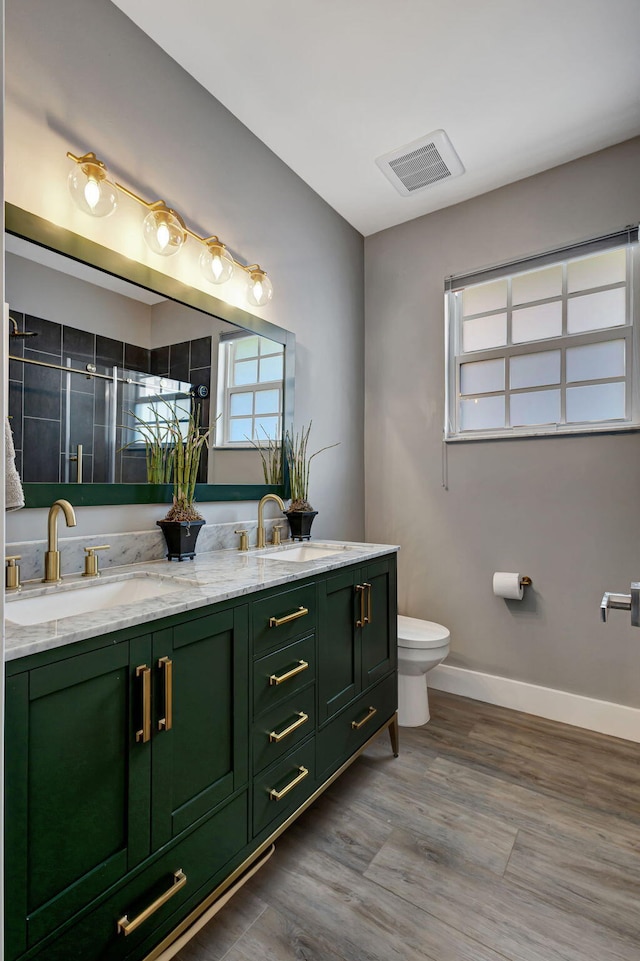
x,y
146,768
77,786
113,753
358,627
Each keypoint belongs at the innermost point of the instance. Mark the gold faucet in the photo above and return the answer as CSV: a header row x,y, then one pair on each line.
x,y
267,497
52,556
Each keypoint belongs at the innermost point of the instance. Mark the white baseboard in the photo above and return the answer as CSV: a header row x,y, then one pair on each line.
x,y
618,720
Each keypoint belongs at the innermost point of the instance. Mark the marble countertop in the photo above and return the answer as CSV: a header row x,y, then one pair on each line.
x,y
208,579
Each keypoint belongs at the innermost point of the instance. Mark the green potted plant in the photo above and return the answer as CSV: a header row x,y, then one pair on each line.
x,y
174,442
270,451
300,513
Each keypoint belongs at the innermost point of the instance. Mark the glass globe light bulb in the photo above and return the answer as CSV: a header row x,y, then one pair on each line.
x,y
216,263
259,288
164,231
91,191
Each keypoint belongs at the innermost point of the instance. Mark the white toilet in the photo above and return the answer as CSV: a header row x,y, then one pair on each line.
x,y
421,646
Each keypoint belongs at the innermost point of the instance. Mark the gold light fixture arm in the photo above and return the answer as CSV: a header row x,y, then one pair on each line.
x,y
89,160
140,200
157,205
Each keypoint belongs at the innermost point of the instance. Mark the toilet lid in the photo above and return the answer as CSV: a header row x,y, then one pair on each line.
x,y
413,632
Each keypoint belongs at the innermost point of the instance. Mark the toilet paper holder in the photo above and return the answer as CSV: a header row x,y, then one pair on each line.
x,y
510,585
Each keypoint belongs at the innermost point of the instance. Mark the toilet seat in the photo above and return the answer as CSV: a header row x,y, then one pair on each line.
x,y
416,633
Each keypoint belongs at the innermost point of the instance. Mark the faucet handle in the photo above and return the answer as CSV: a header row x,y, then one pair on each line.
x,y
91,561
275,536
244,540
12,573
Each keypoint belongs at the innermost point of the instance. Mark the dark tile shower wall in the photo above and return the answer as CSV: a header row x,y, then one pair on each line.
x,y
190,361
38,399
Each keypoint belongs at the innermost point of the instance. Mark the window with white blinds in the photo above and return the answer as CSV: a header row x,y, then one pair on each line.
x,y
544,346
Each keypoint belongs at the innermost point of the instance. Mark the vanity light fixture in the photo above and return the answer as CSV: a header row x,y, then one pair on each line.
x,y
259,288
91,191
164,230
216,263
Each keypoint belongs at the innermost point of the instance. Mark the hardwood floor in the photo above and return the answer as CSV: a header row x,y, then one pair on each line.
x,y
494,836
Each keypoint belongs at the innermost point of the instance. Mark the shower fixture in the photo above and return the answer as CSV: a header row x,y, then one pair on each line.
x,y
15,332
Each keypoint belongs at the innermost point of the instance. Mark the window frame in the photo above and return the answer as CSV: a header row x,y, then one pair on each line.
x,y
455,357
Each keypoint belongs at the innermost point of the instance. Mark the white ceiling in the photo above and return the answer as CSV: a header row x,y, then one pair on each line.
x,y
518,85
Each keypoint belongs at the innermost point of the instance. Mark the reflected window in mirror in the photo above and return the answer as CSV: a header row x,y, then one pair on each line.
x,y
250,390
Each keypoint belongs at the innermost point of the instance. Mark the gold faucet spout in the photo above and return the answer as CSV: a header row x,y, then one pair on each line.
x,y
260,532
52,556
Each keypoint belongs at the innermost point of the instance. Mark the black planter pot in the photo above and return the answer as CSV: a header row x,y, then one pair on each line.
x,y
300,524
181,537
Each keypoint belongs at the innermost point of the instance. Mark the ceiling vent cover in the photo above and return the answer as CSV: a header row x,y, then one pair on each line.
x,y
422,163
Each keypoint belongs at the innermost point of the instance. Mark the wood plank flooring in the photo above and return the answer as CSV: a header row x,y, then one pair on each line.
x,y
495,836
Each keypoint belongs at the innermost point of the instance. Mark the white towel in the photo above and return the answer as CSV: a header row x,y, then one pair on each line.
x,y
14,495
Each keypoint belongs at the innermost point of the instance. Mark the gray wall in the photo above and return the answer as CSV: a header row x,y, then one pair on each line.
x,y
81,76
563,510
35,289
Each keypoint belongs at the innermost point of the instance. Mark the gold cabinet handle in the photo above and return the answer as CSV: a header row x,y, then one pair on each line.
x,y
279,621
278,795
368,618
144,734
165,723
356,725
125,926
360,589
276,737
276,679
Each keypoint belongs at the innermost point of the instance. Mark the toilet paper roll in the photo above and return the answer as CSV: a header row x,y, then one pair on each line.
x,y
506,584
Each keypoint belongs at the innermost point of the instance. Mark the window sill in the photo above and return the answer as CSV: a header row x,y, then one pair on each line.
x,y
526,434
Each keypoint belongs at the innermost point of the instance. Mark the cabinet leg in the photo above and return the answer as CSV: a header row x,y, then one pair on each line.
x,y
393,734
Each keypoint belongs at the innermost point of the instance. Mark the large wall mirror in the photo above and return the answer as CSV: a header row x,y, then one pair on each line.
x,y
100,344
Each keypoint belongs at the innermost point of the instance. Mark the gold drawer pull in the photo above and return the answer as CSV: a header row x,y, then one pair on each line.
x,y
368,618
356,725
275,738
276,679
165,723
360,589
278,795
144,734
279,621
125,926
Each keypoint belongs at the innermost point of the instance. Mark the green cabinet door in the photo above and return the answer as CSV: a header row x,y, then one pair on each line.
x,y
339,675
379,644
357,643
77,786
200,718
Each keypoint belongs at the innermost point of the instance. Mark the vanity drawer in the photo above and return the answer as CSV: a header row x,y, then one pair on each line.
x,y
283,672
197,858
281,617
355,725
283,787
284,726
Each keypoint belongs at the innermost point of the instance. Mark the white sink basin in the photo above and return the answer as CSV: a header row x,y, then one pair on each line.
x,y
86,598
303,553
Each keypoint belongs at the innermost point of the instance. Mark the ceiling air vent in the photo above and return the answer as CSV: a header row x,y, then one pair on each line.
x,y
422,163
